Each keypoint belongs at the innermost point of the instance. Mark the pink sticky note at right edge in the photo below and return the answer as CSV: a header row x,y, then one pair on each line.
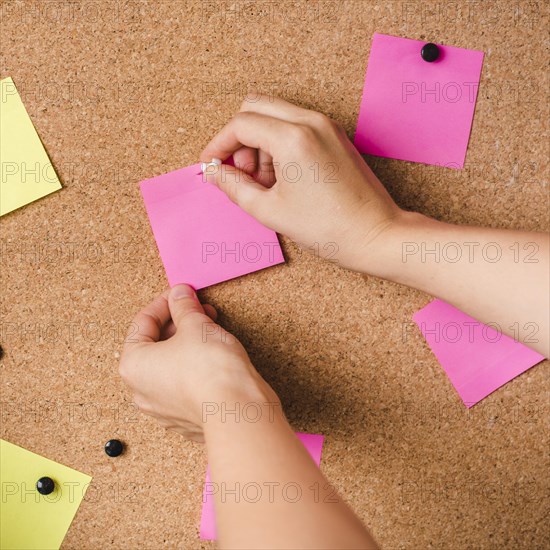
x,y
203,238
312,442
477,358
414,110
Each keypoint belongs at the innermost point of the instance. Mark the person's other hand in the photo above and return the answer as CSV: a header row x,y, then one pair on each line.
x,y
182,367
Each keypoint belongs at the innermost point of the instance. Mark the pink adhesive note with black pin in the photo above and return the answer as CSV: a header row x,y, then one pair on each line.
x,y
417,110
477,358
203,238
314,446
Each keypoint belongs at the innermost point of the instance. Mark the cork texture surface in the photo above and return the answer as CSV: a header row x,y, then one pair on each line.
x,y
123,91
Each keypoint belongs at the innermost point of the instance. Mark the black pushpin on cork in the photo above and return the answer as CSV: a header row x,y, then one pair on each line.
x,y
45,485
114,447
429,52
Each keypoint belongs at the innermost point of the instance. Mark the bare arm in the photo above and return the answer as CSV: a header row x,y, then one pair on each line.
x,y
494,275
284,501
498,276
184,380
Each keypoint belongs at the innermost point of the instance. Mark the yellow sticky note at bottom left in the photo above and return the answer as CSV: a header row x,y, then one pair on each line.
x,y
28,519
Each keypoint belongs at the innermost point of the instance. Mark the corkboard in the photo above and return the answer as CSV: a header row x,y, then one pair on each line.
x,y
123,91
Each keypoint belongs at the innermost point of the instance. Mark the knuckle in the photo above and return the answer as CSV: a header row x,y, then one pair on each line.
x,y
242,117
319,120
300,136
324,123
193,319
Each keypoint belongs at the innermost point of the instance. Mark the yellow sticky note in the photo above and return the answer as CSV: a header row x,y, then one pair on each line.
x,y
26,172
29,520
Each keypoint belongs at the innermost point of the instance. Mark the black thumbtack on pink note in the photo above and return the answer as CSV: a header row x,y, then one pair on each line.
x,y
429,52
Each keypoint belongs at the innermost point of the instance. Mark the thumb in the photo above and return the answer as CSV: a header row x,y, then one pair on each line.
x,y
182,301
240,187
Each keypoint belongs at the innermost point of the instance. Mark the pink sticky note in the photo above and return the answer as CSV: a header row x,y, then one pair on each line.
x,y
204,238
477,358
314,445
415,110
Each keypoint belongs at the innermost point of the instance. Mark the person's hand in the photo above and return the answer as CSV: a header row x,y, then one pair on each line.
x,y
297,173
182,366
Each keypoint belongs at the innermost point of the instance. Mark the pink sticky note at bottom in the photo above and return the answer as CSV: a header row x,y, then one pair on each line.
x,y
314,445
203,238
477,358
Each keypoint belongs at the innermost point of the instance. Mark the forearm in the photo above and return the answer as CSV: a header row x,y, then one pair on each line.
x,y
495,275
282,499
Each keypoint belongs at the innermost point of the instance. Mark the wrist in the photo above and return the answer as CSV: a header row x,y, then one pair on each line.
x,y
242,400
382,255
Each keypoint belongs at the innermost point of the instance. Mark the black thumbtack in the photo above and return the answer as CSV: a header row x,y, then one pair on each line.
x,y
45,485
429,52
114,447
1,352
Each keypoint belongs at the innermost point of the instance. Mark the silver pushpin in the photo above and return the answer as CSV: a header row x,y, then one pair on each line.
x,y
214,162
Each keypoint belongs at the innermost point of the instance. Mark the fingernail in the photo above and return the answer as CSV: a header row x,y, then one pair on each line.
x,y
182,291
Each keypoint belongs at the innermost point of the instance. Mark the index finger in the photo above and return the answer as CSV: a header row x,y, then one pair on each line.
x,y
147,325
246,129
275,107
